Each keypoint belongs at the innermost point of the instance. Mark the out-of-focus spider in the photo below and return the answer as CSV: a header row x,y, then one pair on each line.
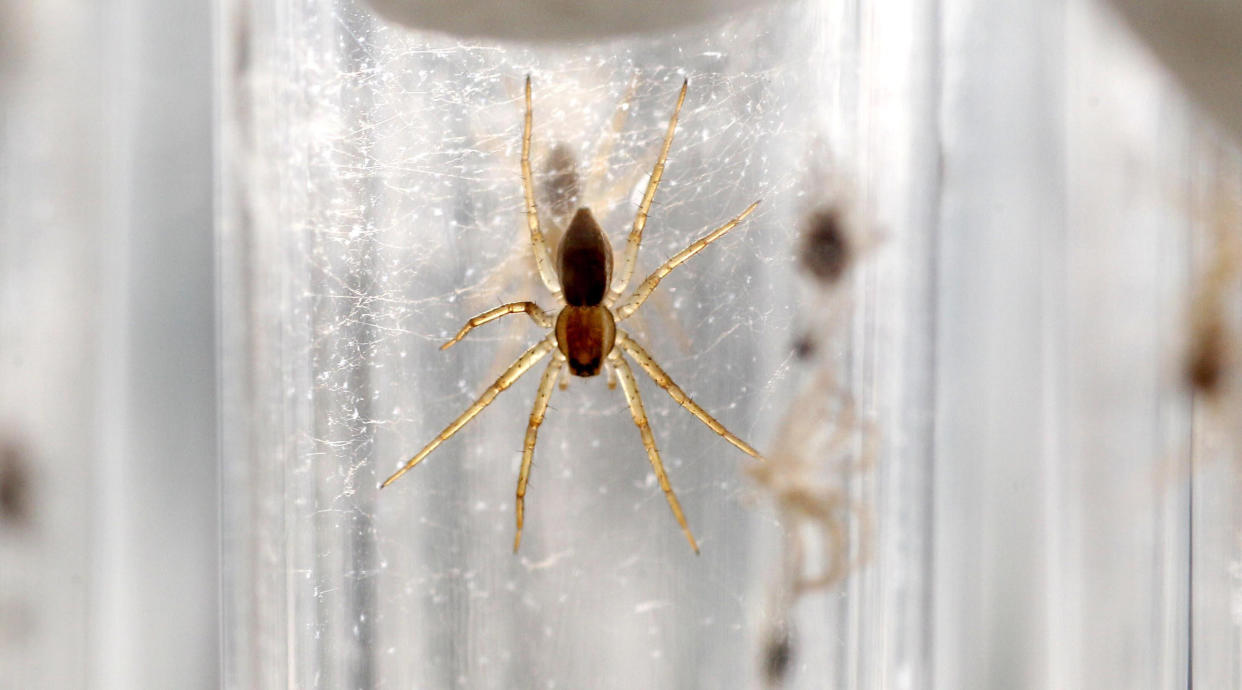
x,y
1208,362
822,430
584,334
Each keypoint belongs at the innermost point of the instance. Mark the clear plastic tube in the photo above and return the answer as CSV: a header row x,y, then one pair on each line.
x,y
1012,332
371,204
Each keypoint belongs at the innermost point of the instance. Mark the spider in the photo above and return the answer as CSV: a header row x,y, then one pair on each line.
x,y
584,336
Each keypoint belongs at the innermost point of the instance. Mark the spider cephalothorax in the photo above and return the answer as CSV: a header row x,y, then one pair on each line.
x,y
584,333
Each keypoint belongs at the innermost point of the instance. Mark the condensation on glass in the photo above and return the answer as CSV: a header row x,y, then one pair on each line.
x,y
1013,331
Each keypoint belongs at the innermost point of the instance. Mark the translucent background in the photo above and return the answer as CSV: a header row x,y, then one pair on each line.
x,y
381,213
109,570
1043,203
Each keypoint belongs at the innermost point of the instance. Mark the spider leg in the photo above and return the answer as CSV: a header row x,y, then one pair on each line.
x,y
820,513
540,247
640,220
612,376
836,545
644,290
603,148
546,384
534,311
647,362
515,371
630,387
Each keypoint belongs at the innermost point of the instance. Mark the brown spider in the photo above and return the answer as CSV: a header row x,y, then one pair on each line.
x,y
584,334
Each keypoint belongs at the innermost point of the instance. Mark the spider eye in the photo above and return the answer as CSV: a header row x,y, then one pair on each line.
x,y
589,366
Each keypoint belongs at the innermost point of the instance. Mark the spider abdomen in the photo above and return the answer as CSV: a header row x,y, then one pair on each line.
x,y
585,335
584,261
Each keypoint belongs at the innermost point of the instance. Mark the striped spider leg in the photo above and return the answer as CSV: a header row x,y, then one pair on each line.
x,y
584,338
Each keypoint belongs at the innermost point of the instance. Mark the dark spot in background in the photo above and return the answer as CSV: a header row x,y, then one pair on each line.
x,y
804,347
777,655
825,248
15,501
1205,366
560,186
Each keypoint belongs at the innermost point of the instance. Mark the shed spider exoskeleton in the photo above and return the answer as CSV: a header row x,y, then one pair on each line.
x,y
584,333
